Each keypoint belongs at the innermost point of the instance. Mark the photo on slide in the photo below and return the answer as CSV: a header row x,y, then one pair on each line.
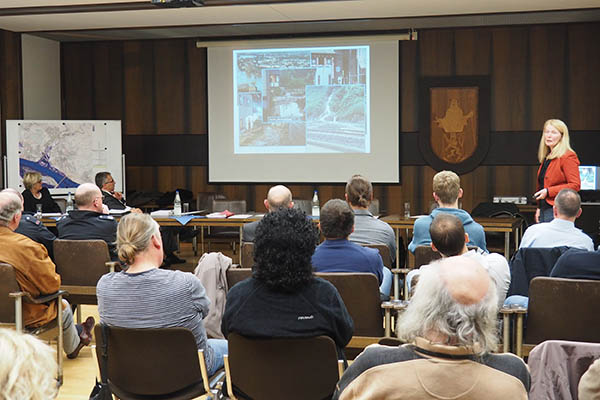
x,y
301,100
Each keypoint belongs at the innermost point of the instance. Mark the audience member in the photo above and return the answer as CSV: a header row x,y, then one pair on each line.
x,y
36,275
33,228
89,220
283,298
278,197
115,201
338,254
144,296
561,231
446,192
27,368
589,384
35,194
577,264
450,328
448,238
367,228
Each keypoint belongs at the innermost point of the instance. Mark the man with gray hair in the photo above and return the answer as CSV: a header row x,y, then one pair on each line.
x,y
450,330
561,231
36,274
278,197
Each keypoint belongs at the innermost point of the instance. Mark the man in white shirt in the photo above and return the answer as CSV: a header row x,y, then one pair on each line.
x,y
561,231
448,237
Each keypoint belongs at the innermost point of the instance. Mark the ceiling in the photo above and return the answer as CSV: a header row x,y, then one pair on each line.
x,y
69,20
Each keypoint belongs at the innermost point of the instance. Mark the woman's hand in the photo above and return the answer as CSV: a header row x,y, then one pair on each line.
x,y
537,215
541,194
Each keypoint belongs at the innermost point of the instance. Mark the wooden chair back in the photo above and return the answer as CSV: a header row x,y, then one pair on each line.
x,y
563,309
235,275
169,368
81,263
292,369
360,293
247,258
8,284
384,252
425,255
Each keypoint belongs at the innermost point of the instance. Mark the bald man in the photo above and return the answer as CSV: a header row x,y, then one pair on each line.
x,y
89,220
450,333
278,197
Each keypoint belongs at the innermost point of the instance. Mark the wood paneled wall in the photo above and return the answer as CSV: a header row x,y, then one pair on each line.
x,y
11,87
158,87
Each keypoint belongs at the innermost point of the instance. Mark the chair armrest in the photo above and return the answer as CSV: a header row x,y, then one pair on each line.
x,y
41,299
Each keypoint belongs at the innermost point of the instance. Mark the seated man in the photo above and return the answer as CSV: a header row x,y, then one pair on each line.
x,y
446,192
89,220
115,201
448,238
450,330
338,254
367,228
278,197
561,231
283,299
33,228
36,275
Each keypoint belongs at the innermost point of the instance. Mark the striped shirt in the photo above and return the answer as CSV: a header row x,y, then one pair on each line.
x,y
155,299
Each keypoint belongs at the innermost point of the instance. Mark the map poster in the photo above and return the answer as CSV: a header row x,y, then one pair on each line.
x,y
65,153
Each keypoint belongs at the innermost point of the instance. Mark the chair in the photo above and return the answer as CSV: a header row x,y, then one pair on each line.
x,y
247,257
425,255
145,364
287,368
558,358
384,252
225,234
11,311
235,275
529,262
81,263
559,309
304,205
360,293
374,207
62,203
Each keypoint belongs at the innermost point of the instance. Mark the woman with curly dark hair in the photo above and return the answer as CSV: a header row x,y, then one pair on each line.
x,y
283,298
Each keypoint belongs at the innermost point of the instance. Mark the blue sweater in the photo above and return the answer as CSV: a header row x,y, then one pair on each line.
x,y
341,255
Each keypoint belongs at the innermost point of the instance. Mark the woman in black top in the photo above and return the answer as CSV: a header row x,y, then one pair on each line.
x,y
35,194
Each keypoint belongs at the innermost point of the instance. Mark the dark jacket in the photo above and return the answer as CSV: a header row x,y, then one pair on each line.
x,y
82,225
529,262
254,310
112,202
47,202
36,231
578,264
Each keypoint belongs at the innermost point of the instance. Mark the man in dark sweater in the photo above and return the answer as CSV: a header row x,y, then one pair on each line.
x,y
577,264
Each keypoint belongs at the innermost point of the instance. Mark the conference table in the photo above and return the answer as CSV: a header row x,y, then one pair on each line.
x,y
508,226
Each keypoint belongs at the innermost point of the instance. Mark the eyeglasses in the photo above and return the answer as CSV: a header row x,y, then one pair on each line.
x,y
108,182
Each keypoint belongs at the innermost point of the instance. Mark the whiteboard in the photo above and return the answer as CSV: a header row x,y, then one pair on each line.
x,y
66,153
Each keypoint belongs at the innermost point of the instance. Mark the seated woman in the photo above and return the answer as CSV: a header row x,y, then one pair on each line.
x,y
35,194
283,299
145,296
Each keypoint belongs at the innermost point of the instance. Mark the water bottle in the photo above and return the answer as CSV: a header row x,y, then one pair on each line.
x,y
177,204
69,203
315,205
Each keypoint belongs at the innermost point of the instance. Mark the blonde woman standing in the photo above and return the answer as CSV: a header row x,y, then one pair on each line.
x,y
559,168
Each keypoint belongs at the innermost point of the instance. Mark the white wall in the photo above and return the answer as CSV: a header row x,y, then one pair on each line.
x,y
41,78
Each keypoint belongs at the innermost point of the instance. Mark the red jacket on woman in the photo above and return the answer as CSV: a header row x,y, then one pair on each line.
x,y
562,172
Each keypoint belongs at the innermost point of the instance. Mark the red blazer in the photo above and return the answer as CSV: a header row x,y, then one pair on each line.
x,y
562,172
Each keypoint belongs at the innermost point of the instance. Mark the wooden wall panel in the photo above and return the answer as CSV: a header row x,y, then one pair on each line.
x,y
77,81
108,80
171,178
472,51
170,86
436,51
139,83
409,86
11,94
141,178
198,105
547,70
509,79
584,82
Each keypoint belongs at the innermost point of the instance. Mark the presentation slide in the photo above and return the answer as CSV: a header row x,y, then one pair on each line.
x,y
303,111
301,100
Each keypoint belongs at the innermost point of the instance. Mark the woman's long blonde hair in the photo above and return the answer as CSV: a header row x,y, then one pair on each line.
x,y
561,148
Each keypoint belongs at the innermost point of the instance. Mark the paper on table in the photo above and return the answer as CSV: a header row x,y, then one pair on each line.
x,y
240,216
161,213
